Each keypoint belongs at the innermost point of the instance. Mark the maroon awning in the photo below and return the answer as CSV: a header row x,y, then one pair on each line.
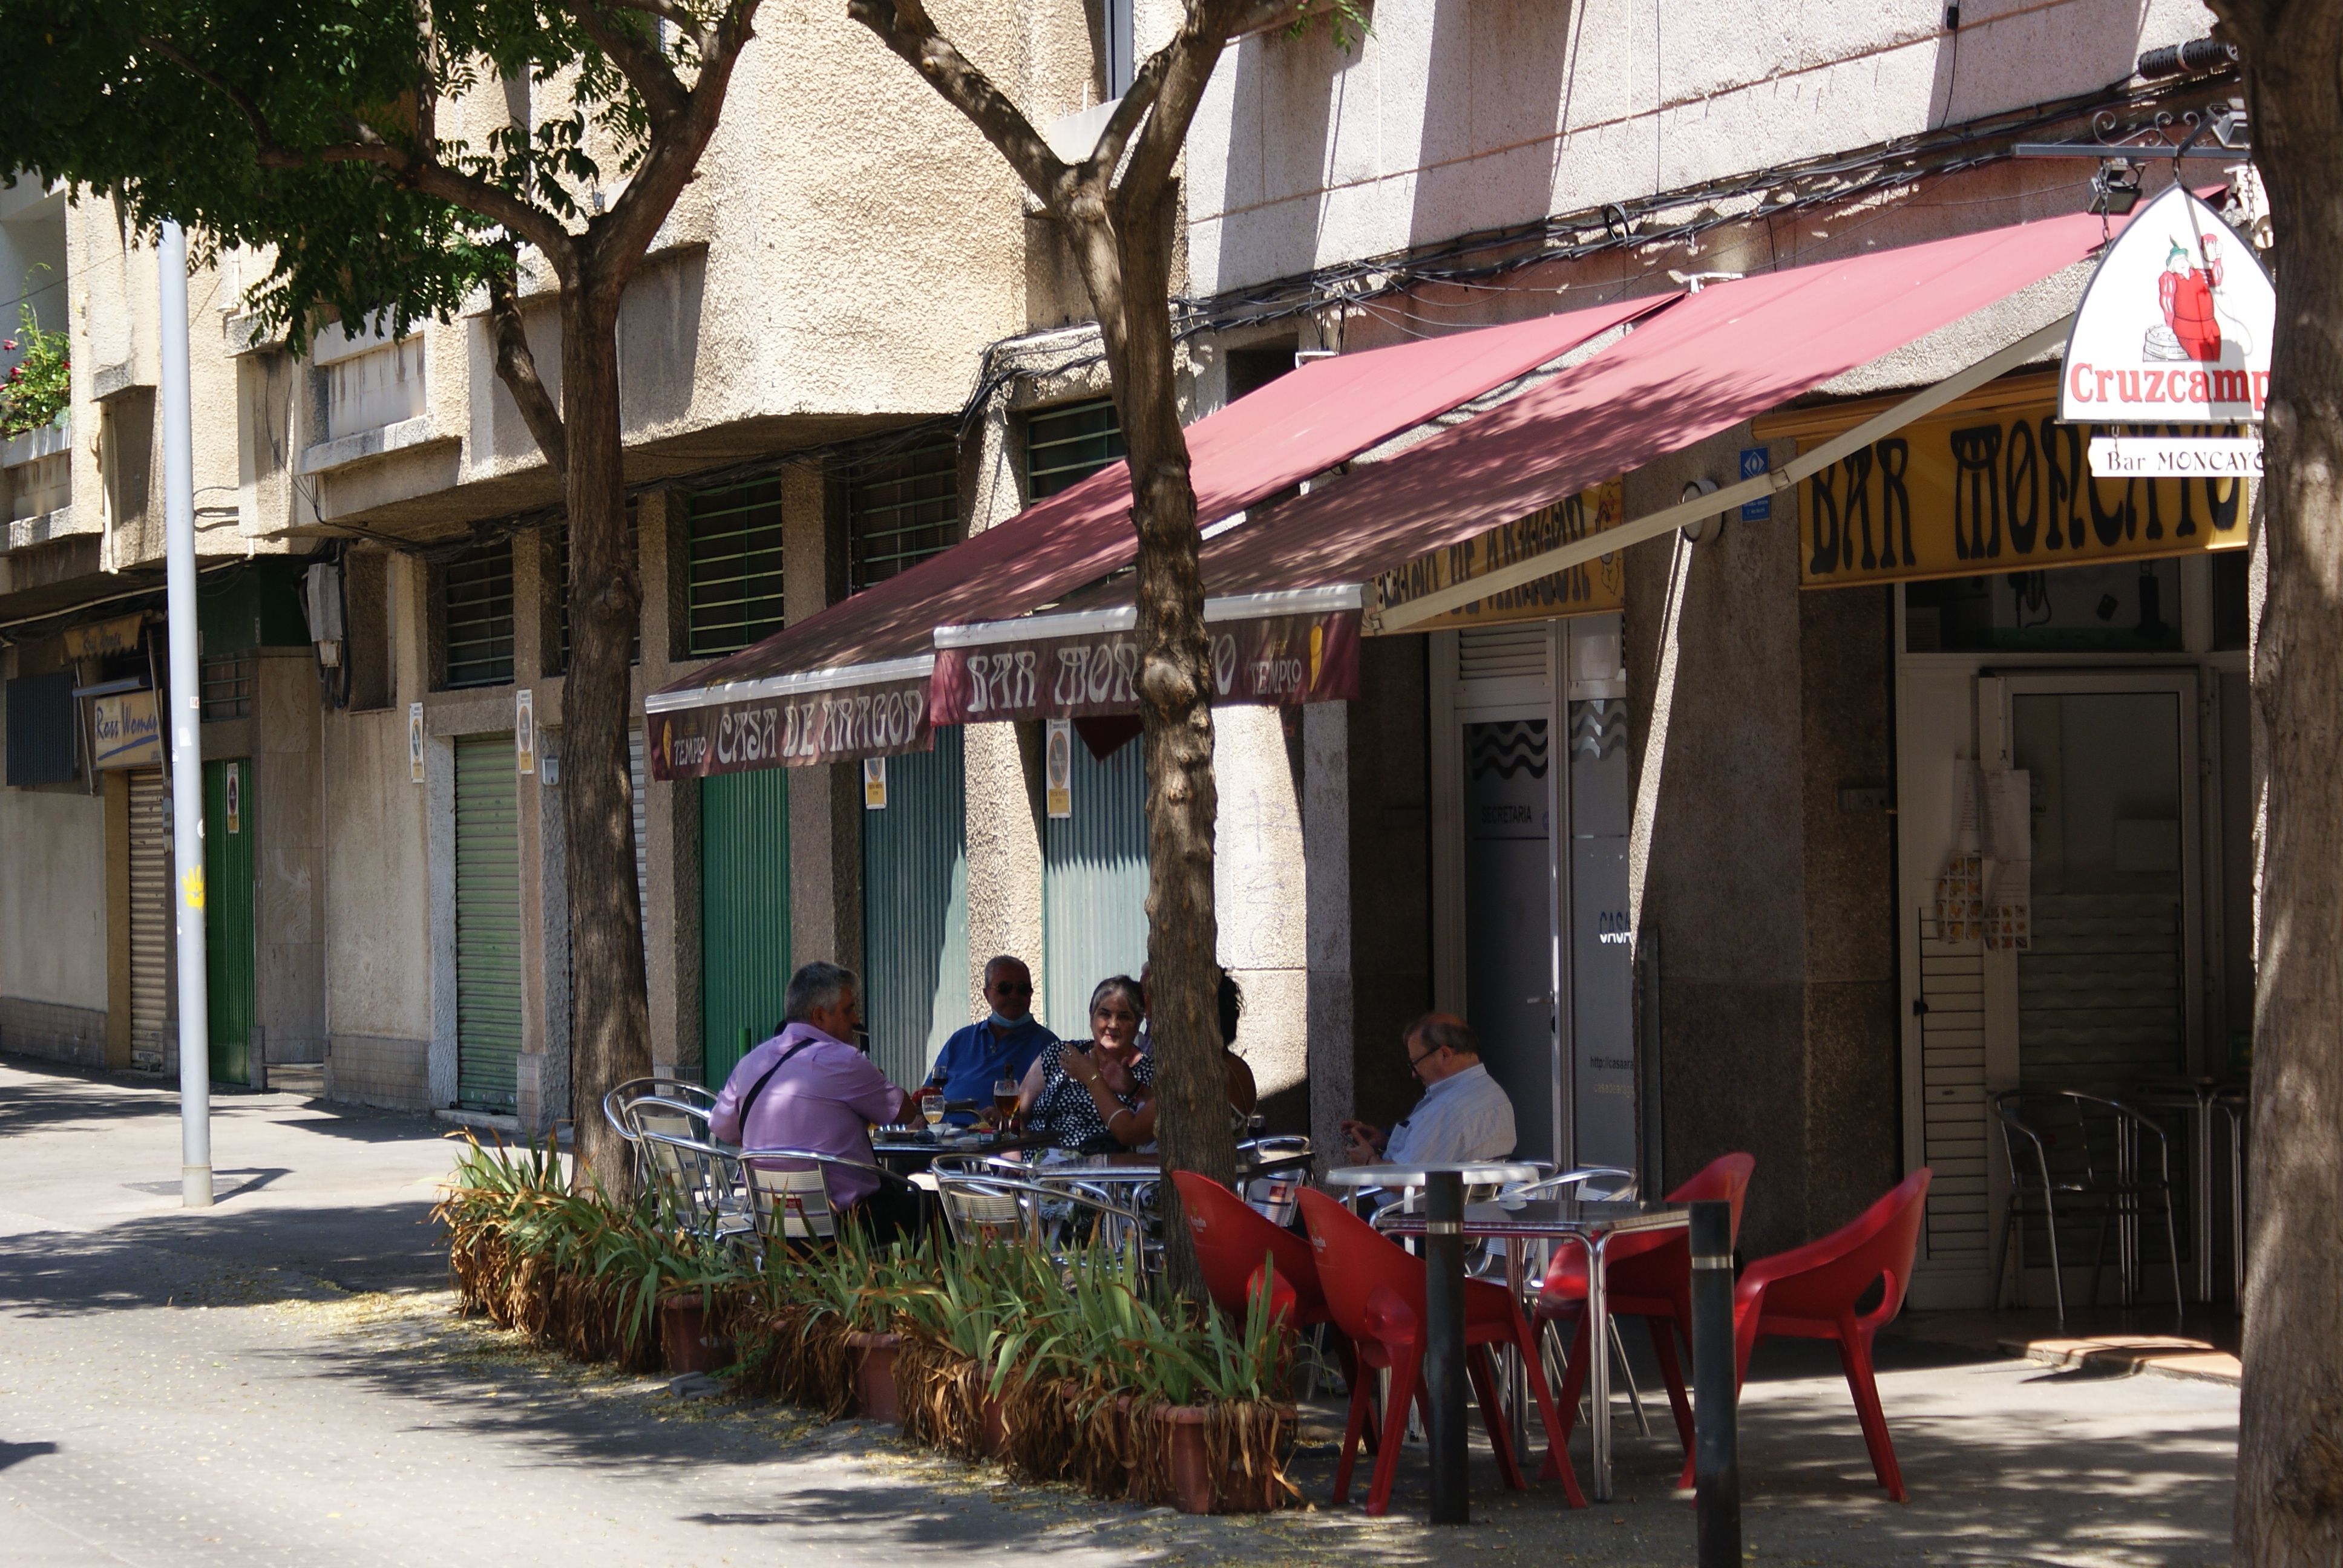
x,y
1725,354
842,683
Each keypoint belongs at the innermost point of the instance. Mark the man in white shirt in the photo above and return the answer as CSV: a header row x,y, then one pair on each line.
x,y
1463,1115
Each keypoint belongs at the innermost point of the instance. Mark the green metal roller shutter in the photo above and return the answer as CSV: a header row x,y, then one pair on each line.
x,y
744,912
915,910
487,922
1094,885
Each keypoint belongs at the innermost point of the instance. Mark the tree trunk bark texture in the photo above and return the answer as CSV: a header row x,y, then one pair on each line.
x,y
2290,1497
610,1017
1127,269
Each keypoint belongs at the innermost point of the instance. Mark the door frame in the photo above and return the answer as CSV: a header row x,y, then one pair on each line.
x,y
1491,701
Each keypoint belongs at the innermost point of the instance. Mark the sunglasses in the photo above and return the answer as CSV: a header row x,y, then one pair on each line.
x,y
1013,988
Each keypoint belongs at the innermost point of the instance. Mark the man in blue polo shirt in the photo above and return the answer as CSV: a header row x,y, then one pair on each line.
x,y
1002,1046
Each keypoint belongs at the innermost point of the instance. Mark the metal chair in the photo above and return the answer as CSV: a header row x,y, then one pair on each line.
x,y
1276,1198
705,1183
2119,1197
982,1209
790,1201
1616,1184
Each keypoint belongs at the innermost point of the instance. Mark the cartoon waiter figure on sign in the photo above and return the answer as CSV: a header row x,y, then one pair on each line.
x,y
2191,329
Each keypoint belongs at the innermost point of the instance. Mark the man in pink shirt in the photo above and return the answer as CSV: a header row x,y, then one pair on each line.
x,y
809,1088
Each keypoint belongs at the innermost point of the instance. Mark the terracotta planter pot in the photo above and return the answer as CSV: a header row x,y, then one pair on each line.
x,y
994,1434
685,1339
1194,1488
874,1376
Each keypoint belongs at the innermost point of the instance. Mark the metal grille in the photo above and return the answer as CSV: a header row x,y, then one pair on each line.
x,y
227,680
1065,446
488,923
1503,653
561,588
642,843
1956,1139
151,996
744,913
901,511
1094,884
915,910
477,614
733,584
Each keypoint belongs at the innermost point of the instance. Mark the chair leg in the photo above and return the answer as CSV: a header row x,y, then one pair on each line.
x,y
2002,1233
1855,1354
1346,1356
1501,1438
1574,1374
1663,1349
1406,1390
1362,1399
2172,1252
1627,1379
2057,1274
1556,1419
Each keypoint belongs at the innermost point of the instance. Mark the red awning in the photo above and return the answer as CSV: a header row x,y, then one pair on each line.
x,y
842,683
1725,354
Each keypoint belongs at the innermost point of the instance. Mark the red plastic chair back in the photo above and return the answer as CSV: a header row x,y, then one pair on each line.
x,y
1363,1273
1658,1262
1825,1278
1231,1241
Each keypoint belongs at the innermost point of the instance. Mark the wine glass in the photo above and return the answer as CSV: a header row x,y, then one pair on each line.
x,y
1004,1100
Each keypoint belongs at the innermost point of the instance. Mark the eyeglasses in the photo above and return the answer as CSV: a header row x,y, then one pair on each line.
x,y
1416,1063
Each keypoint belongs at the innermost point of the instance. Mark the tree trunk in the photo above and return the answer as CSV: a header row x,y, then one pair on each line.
x,y
1128,278
2290,1497
609,1022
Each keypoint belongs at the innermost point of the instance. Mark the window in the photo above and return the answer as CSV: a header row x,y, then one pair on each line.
x,y
227,680
476,606
902,509
41,730
1116,51
732,588
1251,369
1067,444
559,588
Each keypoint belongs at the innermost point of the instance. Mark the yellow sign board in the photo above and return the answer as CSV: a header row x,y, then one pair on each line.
x,y
1992,490
119,635
127,730
1587,588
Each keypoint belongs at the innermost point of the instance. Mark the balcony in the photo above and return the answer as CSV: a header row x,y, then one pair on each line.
x,y
36,479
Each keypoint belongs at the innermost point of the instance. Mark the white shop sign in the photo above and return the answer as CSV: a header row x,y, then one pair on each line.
x,y
2175,327
2177,456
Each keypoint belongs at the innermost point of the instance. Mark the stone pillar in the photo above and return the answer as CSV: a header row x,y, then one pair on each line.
x,y
825,802
670,811
543,1075
1262,892
1330,1033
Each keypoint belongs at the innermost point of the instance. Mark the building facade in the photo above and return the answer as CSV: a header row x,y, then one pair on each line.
x,y
1678,849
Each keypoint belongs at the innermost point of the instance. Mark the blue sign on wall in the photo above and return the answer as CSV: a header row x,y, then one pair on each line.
x,y
1755,461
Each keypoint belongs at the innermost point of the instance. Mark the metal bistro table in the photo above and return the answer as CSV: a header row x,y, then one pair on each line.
x,y
1442,1227
2201,1100
1590,1225
906,1150
1138,1169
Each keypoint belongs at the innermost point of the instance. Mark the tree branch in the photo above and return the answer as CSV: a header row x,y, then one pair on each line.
x,y
517,369
1189,60
681,19
261,131
903,25
645,68
626,231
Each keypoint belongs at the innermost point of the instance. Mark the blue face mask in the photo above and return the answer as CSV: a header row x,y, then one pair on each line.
x,y
1002,1021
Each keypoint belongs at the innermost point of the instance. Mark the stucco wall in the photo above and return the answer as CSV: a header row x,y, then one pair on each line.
x,y
378,915
1457,116
53,896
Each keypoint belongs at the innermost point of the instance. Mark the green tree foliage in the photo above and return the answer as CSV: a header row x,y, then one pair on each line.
x,y
398,160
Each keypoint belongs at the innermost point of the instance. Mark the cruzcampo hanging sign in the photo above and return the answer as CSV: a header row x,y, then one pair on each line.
x,y
2174,326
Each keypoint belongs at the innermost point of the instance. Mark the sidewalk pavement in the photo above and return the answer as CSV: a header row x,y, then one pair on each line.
x,y
281,1381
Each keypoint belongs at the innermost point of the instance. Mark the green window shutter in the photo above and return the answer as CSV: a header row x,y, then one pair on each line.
x,y
744,913
1094,884
915,910
732,585
476,600
487,922
901,510
1067,444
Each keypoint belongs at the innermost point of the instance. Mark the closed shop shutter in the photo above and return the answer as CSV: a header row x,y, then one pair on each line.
x,y
744,913
1094,885
915,910
488,923
642,843
151,991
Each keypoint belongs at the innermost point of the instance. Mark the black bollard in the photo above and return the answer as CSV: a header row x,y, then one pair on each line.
x,y
1717,1450
1443,1344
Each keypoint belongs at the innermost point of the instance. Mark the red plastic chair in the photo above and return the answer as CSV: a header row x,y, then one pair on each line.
x,y
1810,1292
1374,1289
1232,1243
1646,1275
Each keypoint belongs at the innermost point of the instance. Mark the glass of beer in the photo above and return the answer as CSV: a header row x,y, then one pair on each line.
x,y
932,1107
1004,1100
